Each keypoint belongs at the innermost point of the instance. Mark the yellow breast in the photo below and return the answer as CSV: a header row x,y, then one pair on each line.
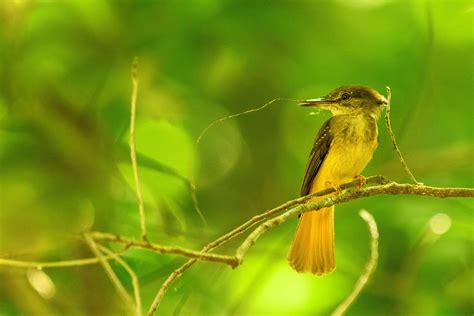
x,y
355,139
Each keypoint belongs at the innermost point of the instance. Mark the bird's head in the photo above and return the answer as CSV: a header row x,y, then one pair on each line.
x,y
350,100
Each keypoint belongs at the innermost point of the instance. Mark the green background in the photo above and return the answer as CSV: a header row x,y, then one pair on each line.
x,y
64,164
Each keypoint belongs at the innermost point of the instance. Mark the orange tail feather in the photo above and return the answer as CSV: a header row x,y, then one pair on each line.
x,y
312,249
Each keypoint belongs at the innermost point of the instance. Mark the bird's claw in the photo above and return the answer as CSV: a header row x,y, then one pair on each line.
x,y
335,186
362,181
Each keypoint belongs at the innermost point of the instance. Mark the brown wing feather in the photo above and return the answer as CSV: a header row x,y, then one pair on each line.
x,y
318,153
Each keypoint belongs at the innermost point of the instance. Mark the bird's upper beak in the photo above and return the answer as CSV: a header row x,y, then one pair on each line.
x,y
315,102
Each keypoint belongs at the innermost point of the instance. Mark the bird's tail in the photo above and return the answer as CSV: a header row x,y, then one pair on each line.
x,y
312,249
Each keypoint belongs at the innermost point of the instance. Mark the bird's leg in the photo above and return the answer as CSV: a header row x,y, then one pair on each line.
x,y
362,181
335,186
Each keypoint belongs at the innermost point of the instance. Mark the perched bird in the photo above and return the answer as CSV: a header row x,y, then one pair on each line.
x,y
343,147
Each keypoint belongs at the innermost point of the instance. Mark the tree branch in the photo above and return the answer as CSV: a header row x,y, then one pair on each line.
x,y
391,188
242,228
298,206
370,266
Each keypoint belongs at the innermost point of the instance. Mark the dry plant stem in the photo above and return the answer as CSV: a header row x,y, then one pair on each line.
x,y
110,273
370,266
133,277
99,236
133,150
394,142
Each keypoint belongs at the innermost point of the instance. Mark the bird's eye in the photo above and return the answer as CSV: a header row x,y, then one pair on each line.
x,y
345,96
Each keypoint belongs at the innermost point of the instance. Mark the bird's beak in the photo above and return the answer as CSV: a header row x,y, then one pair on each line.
x,y
315,102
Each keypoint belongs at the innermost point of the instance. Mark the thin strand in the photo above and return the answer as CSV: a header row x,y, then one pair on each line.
x,y
204,131
192,185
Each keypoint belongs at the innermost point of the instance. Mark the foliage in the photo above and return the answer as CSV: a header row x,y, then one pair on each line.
x,y
64,164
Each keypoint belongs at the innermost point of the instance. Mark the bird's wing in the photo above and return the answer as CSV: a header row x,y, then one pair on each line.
x,y
318,153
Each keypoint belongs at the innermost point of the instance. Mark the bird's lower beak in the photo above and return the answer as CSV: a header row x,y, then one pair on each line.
x,y
315,102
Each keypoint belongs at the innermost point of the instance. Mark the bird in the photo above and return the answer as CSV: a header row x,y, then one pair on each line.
x,y
343,147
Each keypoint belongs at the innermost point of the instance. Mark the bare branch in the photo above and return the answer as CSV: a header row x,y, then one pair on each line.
x,y
99,236
370,266
110,273
298,206
133,150
133,277
394,141
391,188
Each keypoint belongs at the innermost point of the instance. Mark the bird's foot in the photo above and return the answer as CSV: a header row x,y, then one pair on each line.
x,y
362,181
335,186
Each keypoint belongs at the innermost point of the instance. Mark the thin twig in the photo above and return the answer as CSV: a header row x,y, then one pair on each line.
x,y
392,137
133,277
133,150
229,260
51,264
110,273
370,266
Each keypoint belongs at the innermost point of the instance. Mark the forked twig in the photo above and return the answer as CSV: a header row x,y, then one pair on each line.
x,y
131,273
242,228
110,273
133,150
392,137
370,266
99,236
